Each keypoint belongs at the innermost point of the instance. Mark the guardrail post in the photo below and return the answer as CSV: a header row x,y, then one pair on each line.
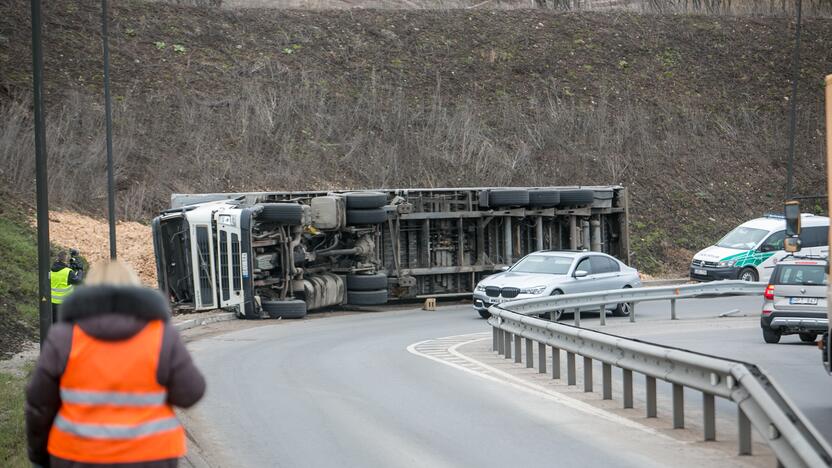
x,y
744,439
587,374
570,368
606,379
678,406
673,309
500,345
709,416
632,312
518,349
627,382
494,339
555,363
541,358
529,354
650,387
577,316
603,315
507,344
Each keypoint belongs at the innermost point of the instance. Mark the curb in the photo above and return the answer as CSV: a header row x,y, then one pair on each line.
x,y
192,323
665,282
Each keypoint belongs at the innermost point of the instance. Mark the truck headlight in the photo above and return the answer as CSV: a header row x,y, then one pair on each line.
x,y
726,263
480,288
534,290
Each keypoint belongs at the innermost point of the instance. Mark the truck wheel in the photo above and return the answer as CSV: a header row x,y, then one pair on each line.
x,y
374,216
576,197
366,282
377,297
283,213
288,309
544,198
484,313
770,336
808,337
365,200
508,197
748,274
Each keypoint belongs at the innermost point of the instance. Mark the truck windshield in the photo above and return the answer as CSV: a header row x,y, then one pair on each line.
x,y
543,264
742,238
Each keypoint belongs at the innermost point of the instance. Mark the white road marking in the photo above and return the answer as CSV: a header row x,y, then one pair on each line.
x,y
449,355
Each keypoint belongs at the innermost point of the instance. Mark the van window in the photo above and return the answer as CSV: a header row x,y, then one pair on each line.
x,y
742,238
815,236
774,242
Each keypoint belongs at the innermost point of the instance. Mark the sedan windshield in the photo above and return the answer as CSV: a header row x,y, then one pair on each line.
x,y
742,238
543,264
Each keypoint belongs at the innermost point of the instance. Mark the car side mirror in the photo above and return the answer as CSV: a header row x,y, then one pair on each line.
x,y
504,268
766,248
580,273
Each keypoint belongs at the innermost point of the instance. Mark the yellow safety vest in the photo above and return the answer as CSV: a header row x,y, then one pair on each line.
x,y
60,285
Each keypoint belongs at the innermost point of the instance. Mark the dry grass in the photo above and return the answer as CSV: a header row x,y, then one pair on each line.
x,y
302,137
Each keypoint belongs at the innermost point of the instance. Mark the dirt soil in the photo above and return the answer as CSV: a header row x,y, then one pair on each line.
x,y
91,237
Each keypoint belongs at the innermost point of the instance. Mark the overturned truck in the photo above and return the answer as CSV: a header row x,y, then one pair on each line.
x,y
281,254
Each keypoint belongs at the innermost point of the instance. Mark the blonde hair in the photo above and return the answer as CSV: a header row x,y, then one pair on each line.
x,y
113,273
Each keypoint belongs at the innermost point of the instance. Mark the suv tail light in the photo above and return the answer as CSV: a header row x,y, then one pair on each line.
x,y
769,293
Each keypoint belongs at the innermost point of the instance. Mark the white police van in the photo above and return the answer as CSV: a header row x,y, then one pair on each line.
x,y
753,248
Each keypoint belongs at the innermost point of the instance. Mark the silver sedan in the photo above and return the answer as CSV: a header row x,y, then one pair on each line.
x,y
550,272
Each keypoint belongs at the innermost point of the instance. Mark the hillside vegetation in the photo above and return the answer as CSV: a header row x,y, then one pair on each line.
x,y
689,112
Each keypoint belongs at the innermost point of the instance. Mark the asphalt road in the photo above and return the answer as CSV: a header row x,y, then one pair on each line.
x,y
344,391
795,366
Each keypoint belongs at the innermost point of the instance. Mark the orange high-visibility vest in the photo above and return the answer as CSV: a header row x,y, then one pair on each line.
x,y
113,410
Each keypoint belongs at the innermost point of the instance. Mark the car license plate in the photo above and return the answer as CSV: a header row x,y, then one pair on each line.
x,y
803,300
701,272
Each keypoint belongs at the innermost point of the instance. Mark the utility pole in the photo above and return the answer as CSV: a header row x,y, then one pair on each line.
x,y
793,112
44,286
111,197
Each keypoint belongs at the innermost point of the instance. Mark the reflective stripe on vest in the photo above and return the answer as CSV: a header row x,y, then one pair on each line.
x,y
113,410
110,431
86,397
61,288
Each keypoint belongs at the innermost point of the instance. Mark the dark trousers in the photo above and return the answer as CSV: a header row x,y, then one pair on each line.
x,y
55,308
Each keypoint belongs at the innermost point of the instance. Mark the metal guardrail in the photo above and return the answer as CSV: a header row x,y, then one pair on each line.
x,y
631,296
760,403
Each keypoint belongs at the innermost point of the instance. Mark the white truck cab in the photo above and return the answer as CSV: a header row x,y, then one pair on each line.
x,y
752,249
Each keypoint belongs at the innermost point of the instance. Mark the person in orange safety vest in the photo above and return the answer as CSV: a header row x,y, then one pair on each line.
x,y
109,374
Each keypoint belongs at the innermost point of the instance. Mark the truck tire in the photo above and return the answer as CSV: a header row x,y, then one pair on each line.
x,y
544,198
374,216
508,197
365,200
283,213
377,297
576,197
366,282
288,309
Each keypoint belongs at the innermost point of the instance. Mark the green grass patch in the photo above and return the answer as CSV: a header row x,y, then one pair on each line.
x,y
19,275
12,428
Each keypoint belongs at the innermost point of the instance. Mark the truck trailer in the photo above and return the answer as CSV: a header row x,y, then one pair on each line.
x,y
281,254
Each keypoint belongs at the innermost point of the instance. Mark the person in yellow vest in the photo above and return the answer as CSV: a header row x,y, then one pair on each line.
x,y
108,377
64,277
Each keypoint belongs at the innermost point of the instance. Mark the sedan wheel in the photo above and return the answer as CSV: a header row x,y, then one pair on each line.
x,y
555,315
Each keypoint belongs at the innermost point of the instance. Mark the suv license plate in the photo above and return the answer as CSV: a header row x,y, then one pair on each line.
x,y
803,300
700,272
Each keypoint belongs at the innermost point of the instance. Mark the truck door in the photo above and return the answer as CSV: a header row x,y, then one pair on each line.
x,y
203,264
229,264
